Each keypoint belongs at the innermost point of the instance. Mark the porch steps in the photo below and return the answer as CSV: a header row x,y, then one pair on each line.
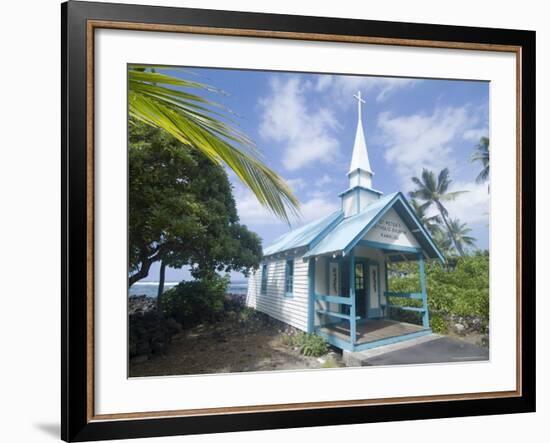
x,y
361,358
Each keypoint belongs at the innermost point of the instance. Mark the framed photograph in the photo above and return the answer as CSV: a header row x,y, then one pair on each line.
x,y
277,221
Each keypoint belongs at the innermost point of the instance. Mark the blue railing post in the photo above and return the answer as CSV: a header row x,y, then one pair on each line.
x,y
352,320
426,316
340,278
385,309
327,280
311,304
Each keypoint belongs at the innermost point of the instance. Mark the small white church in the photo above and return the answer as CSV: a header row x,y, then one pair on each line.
x,y
330,277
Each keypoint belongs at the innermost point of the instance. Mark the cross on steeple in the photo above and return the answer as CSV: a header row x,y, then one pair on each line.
x,y
359,101
360,157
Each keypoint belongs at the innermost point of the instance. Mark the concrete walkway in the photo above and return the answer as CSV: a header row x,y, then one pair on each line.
x,y
429,349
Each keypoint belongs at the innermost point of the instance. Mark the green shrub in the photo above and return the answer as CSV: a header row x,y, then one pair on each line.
x,y
247,314
288,340
461,290
438,324
310,345
196,301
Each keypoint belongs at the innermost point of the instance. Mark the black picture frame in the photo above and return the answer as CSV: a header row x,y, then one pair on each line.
x,y
77,424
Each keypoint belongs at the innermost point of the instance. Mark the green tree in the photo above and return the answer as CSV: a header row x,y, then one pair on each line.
x,y
481,154
459,231
436,192
181,210
168,103
431,223
445,244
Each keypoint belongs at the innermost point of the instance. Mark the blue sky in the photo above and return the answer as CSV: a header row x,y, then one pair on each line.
x,y
304,125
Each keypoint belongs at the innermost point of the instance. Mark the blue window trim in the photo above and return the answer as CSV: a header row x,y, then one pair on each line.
x,y
287,267
263,281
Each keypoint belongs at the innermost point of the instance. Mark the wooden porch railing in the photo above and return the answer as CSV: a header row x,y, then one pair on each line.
x,y
345,301
410,296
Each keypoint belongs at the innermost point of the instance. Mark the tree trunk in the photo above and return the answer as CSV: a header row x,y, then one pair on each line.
x,y
457,246
142,273
162,272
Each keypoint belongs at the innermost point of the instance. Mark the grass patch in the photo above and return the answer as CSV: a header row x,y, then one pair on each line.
x,y
308,344
330,363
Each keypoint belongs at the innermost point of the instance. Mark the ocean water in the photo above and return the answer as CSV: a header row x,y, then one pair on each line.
x,y
150,288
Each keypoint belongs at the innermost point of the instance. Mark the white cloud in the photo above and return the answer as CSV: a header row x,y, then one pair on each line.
x,y
343,87
251,212
321,194
417,141
324,180
249,209
471,207
296,183
323,82
473,135
317,208
307,134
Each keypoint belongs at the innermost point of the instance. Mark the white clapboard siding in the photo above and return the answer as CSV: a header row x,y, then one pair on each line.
x,y
291,310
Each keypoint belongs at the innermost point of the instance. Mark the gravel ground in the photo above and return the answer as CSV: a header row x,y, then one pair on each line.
x,y
232,345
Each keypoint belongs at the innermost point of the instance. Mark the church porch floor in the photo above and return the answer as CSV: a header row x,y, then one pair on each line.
x,y
372,331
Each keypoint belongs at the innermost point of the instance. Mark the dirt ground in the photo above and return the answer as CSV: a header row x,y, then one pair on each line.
x,y
232,345
245,341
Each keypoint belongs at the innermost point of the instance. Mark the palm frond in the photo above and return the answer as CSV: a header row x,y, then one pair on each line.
x,y
460,232
481,154
443,181
154,100
483,176
450,196
428,180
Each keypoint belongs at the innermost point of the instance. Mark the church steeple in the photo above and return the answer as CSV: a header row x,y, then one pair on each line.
x,y
360,193
360,165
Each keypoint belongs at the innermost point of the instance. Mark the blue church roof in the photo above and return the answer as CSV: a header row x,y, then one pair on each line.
x,y
304,235
336,235
343,234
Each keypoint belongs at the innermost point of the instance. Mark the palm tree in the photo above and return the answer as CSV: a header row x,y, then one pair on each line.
x,y
460,233
481,154
444,243
436,192
431,223
165,102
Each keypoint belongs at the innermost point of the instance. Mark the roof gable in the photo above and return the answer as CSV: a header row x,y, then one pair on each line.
x,y
391,229
347,234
